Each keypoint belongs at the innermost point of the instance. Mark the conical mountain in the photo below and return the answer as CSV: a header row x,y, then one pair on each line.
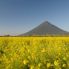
x,y
46,28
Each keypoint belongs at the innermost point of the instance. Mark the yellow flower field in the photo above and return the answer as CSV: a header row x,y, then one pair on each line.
x,y
34,52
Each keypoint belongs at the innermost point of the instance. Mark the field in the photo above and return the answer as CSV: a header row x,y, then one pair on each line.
x,y
34,52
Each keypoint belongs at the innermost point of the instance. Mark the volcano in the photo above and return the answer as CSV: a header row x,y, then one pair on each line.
x,y
44,29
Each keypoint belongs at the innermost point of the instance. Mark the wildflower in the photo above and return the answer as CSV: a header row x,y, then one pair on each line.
x,y
64,58
39,64
64,65
56,62
43,50
48,65
32,67
25,62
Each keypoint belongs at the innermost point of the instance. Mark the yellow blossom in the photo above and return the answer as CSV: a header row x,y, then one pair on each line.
x,y
25,61
56,62
64,65
48,65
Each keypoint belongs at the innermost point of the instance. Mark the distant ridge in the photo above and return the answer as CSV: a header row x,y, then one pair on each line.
x,y
44,29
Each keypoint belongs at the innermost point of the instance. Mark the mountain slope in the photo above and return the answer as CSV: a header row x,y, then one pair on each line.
x,y
45,28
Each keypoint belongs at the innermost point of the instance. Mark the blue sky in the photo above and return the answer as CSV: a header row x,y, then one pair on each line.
x,y
19,16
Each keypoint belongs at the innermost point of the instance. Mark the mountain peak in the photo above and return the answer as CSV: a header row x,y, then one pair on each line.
x,y
45,28
46,22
